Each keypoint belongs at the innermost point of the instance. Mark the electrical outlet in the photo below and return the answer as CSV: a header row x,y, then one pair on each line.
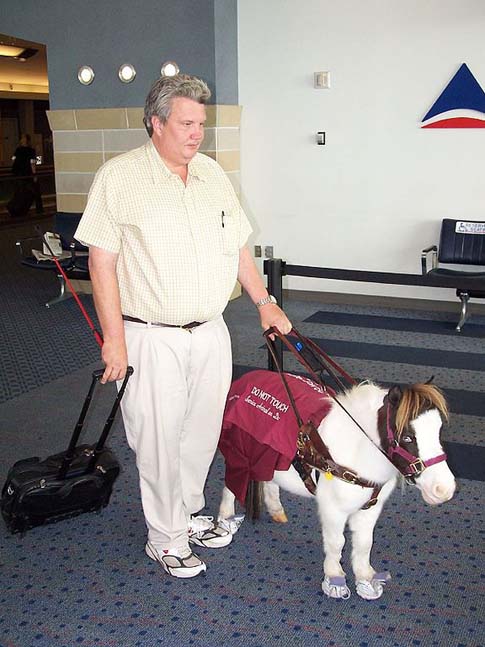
x,y
257,251
268,251
321,80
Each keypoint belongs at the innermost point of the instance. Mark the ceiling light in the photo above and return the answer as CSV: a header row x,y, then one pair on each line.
x,y
10,50
17,53
169,69
126,73
85,75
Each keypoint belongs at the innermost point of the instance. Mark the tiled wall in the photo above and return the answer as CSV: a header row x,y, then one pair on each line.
x,y
84,139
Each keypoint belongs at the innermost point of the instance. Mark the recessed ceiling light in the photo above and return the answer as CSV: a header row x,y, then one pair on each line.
x,y
126,73
10,50
17,53
169,68
85,75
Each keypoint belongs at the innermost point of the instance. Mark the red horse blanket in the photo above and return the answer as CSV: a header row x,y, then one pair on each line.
x,y
259,429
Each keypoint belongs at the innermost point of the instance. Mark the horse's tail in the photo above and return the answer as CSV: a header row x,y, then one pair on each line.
x,y
254,500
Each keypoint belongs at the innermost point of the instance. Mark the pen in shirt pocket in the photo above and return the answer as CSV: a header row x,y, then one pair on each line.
x,y
222,218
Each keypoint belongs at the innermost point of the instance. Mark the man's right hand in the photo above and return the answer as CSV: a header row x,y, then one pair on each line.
x,y
115,359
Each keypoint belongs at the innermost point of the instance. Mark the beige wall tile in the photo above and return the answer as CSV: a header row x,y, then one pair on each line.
x,y
209,143
61,119
228,115
209,154
74,182
211,113
228,139
124,140
74,141
229,160
110,155
71,203
135,117
101,118
82,162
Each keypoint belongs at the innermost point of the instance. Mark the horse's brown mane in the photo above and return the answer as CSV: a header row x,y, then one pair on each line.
x,y
416,399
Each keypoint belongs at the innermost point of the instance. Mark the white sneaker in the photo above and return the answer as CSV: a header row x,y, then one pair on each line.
x,y
204,532
177,562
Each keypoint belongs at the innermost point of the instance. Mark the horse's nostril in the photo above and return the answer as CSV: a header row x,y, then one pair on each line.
x,y
442,491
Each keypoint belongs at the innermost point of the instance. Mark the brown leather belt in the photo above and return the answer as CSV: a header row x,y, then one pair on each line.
x,y
189,326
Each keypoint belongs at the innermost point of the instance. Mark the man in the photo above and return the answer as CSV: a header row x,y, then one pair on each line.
x,y
167,240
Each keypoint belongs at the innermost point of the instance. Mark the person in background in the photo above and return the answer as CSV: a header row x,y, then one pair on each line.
x,y
24,167
24,158
167,240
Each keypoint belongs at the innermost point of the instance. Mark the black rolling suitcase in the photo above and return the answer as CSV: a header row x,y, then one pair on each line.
x,y
64,485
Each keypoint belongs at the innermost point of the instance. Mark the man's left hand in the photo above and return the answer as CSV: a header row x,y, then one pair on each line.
x,y
273,315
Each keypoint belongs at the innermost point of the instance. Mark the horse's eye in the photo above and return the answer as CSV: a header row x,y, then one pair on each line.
x,y
406,439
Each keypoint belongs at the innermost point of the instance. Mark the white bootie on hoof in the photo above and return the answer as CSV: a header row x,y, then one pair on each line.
x,y
374,589
336,587
231,524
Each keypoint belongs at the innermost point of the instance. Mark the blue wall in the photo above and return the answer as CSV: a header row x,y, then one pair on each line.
x,y
106,33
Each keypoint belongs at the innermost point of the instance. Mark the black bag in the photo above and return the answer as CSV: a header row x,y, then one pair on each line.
x,y
21,201
64,485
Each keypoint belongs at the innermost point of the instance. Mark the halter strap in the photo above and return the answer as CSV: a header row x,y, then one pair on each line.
x,y
416,466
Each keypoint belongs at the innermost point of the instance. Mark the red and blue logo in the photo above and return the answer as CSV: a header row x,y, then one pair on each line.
x,y
460,105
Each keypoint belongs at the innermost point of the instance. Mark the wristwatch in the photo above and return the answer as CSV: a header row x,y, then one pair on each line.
x,y
269,299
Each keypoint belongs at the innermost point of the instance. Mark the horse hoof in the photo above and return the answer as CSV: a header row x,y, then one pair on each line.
x,y
280,517
369,590
374,589
336,587
231,524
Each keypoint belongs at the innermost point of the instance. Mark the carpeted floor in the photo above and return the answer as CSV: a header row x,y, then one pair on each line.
x,y
87,581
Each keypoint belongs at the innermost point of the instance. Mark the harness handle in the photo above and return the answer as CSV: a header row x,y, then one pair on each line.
x,y
270,344
312,357
271,349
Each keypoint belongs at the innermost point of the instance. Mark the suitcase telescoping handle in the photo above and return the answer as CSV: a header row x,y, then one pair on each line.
x,y
97,375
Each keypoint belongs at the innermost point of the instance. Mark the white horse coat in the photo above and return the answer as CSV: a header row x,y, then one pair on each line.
x,y
403,423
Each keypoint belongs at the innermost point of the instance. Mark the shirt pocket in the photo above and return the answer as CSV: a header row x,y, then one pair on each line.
x,y
230,232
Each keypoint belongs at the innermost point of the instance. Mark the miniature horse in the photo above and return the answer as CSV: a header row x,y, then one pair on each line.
x,y
400,434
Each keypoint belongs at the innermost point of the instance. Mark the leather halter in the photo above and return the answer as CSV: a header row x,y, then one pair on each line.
x,y
413,466
312,452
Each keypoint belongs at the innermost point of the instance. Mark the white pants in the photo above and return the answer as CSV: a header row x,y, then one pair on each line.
x,y
172,411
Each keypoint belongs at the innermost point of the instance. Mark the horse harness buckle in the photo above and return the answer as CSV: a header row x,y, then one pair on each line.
x,y
417,467
349,477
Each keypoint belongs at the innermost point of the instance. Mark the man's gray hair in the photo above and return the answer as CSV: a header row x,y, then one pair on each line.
x,y
159,100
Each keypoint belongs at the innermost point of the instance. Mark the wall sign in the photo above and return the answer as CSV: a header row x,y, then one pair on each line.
x,y
460,105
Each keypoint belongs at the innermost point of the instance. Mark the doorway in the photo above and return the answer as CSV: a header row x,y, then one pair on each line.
x,y
24,101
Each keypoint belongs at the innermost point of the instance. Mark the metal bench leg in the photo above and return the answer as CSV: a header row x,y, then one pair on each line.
x,y
62,296
464,298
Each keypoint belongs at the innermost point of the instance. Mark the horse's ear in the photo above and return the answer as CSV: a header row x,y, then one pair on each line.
x,y
394,395
430,380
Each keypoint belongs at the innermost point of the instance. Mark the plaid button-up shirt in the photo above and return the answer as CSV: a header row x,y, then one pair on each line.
x,y
177,245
